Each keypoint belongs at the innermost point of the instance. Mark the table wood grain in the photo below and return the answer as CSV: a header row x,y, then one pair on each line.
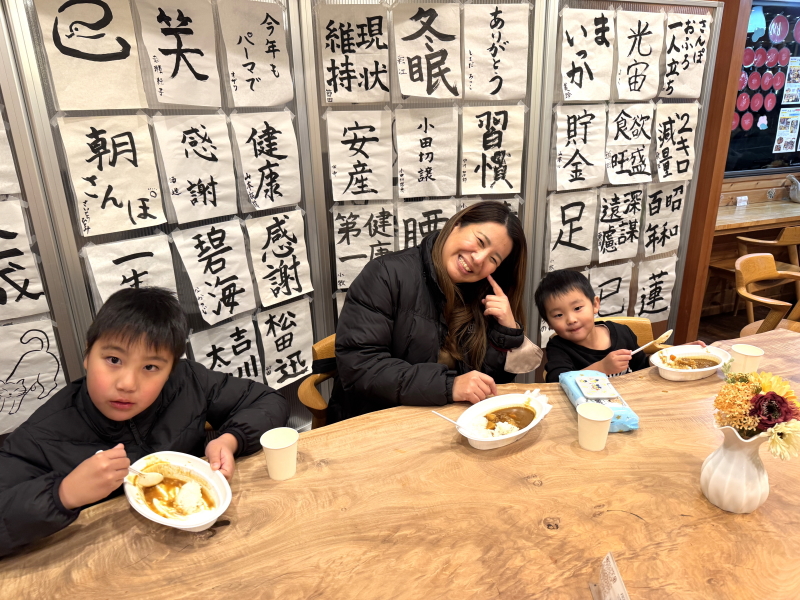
x,y
396,504
754,217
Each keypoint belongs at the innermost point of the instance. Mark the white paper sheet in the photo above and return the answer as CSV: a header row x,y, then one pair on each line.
x,y
360,154
361,233
179,39
580,146
214,257
268,148
415,220
545,333
286,335
686,41
654,296
279,257
628,164
640,42
662,216
587,54
113,173
340,297
630,124
427,152
230,348
197,158
354,48
492,142
428,48
572,221
510,203
619,219
21,292
612,285
9,184
140,262
93,55
496,51
675,129
30,372
258,58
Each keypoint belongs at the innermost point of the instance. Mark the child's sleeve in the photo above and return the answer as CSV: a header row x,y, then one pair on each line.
x,y
30,507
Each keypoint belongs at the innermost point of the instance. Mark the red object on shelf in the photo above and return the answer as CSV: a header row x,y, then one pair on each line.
x,y
772,57
742,81
760,58
754,81
747,121
756,102
766,80
783,56
735,122
749,55
778,80
742,102
770,101
796,32
778,29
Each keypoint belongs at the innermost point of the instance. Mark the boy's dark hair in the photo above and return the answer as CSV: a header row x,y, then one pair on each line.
x,y
558,283
150,314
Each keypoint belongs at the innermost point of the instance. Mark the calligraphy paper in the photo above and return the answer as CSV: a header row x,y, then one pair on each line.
x,y
31,371
492,141
286,334
428,48
415,220
427,152
340,298
619,222
113,173
279,257
639,46
612,285
199,166
587,54
354,43
545,333
136,263
654,296
258,58
214,257
572,218
686,41
675,128
580,146
512,204
9,184
630,131
662,217
360,154
91,48
21,292
230,348
268,148
496,51
361,233
179,38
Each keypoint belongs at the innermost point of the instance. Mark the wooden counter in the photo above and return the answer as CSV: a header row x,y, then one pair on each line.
x,y
754,217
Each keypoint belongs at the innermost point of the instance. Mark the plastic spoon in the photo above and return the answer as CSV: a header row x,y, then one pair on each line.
x,y
447,419
147,479
662,338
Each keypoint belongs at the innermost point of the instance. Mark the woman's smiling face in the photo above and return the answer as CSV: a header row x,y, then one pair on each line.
x,y
475,250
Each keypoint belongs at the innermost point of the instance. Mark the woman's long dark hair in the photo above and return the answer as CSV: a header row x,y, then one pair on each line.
x,y
463,310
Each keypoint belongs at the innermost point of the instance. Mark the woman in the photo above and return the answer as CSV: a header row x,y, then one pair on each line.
x,y
439,323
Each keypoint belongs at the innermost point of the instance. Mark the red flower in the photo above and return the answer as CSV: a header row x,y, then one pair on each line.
x,y
771,409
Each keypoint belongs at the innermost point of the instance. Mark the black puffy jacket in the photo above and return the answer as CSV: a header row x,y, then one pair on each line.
x,y
68,429
389,335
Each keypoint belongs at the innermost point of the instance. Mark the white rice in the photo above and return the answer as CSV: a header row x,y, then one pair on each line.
x,y
478,430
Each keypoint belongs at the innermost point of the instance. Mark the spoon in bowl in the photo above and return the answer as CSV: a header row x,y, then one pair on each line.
x,y
147,479
447,419
662,338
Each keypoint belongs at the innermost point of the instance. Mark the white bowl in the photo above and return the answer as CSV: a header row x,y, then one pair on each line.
x,y
687,374
537,401
197,522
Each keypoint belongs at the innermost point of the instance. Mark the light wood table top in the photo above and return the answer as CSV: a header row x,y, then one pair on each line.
x,y
753,217
396,504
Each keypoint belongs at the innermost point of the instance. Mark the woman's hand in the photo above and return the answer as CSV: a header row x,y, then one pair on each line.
x,y
498,306
473,387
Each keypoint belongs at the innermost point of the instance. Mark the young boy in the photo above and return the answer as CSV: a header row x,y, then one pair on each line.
x,y
138,397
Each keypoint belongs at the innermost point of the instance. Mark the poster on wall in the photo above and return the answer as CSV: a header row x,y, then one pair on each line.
x,y
580,146
21,292
258,58
415,220
230,348
571,227
655,284
93,56
113,173
587,54
791,91
496,51
686,42
427,152
612,284
360,233
31,371
676,125
491,154
354,43
619,222
662,217
786,135
286,336
640,41
180,42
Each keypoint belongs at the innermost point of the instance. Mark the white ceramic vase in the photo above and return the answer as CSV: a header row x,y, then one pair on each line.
x,y
733,476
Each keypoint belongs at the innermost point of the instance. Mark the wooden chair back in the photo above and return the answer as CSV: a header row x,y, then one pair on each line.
x,y
642,328
307,392
789,236
753,268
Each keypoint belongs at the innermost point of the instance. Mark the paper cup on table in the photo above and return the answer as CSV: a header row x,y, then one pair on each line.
x,y
746,358
594,420
280,450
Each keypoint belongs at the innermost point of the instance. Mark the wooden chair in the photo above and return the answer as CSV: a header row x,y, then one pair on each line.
x,y
307,392
643,329
754,268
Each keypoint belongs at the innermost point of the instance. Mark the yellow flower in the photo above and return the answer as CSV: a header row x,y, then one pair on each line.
x,y
784,440
733,406
772,383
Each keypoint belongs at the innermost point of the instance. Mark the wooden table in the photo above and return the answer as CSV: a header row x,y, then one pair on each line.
x,y
396,504
755,217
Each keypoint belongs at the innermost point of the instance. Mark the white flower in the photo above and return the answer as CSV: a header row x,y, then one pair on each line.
x,y
784,440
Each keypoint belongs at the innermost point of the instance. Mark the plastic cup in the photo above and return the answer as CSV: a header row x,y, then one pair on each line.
x,y
594,420
746,358
280,451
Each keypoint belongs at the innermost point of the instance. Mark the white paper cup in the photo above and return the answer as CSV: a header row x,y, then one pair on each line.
x,y
280,451
594,420
746,358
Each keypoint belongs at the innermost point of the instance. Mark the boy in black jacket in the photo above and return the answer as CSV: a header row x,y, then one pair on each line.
x,y
138,397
